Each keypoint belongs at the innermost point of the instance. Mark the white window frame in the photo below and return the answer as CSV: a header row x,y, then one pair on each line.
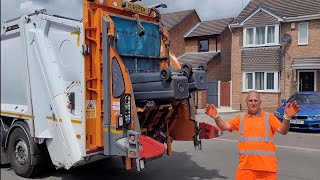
x,y
303,43
276,38
276,79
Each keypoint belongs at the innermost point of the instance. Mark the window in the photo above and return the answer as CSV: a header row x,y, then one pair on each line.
x,y
303,33
261,36
249,77
270,80
250,36
203,45
261,81
270,34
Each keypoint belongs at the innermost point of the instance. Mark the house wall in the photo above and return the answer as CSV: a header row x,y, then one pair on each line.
x,y
288,85
225,68
177,43
236,74
220,67
191,44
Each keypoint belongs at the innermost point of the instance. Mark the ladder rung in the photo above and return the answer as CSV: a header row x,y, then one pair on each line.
x,y
92,39
91,89
91,28
90,79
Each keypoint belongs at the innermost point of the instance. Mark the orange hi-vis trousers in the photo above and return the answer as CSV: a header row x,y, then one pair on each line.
x,y
246,174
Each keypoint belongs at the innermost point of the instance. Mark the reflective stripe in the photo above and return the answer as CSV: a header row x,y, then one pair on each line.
x,y
267,125
241,131
257,139
17,114
260,152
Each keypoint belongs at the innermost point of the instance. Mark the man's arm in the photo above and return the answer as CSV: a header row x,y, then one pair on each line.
x,y
284,128
222,124
211,111
289,112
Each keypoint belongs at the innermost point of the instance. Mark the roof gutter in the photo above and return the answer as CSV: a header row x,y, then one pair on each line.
x,y
234,25
286,19
192,29
301,18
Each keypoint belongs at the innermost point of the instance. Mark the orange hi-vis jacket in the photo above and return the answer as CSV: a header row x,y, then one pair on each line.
x,y
257,150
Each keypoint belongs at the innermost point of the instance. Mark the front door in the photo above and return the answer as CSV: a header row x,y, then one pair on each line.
x,y
306,81
212,93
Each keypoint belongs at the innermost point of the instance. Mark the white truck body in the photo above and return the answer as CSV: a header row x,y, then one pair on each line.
x,y
41,61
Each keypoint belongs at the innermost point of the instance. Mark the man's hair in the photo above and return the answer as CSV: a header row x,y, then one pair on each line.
x,y
253,92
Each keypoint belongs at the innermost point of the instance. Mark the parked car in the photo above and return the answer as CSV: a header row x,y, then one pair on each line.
x,y
309,115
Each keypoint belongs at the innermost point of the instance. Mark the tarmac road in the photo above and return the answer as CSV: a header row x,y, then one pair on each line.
x,y
298,155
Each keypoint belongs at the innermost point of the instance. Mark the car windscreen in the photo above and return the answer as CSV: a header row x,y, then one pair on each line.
x,y
306,98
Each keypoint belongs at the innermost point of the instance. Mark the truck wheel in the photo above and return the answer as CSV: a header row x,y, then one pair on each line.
x,y
19,153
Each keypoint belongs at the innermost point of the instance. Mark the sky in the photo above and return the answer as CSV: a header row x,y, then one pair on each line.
x,y
207,9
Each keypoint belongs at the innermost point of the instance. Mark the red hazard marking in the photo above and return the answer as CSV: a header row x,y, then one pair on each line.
x,y
150,147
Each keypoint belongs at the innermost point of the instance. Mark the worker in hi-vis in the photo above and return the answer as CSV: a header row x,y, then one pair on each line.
x,y
257,151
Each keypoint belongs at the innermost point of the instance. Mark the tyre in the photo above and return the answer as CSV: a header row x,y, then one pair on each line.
x,y
19,153
203,67
186,72
3,134
187,66
165,74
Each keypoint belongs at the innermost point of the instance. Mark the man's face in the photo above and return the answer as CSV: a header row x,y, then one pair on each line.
x,y
253,103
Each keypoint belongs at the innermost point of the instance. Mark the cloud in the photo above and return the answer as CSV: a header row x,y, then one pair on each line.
x,y
28,7
14,8
206,9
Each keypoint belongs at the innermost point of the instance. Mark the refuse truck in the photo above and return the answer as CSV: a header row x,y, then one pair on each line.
x,y
74,92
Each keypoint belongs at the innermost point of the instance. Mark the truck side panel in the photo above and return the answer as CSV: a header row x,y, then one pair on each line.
x,y
53,78
15,87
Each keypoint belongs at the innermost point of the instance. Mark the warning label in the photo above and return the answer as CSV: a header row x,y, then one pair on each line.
x,y
91,108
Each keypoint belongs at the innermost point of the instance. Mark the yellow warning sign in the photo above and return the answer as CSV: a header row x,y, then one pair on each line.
x,y
91,108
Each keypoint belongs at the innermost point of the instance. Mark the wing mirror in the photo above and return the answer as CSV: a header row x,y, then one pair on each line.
x,y
283,102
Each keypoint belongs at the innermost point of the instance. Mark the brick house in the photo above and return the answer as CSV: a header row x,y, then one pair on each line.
x,y
178,24
197,43
209,42
275,50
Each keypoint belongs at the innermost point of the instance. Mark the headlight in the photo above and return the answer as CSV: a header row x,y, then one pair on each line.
x,y
278,114
316,117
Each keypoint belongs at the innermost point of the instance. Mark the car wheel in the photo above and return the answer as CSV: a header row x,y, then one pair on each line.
x,y
19,153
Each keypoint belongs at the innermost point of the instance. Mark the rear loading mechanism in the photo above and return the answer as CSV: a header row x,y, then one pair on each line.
x,y
168,84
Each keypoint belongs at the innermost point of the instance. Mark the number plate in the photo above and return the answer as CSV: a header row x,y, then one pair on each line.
x,y
296,122
137,8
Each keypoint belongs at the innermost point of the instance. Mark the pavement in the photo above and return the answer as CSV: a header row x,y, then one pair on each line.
x,y
221,110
